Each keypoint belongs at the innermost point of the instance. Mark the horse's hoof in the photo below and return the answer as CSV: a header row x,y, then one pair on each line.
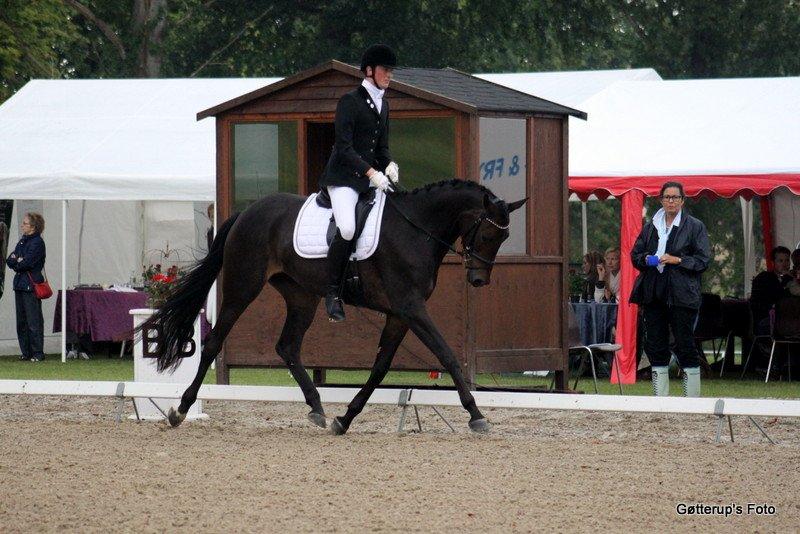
x,y
337,428
175,418
318,419
481,426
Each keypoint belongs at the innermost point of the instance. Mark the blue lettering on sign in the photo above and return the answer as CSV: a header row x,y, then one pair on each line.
x,y
488,170
494,168
499,162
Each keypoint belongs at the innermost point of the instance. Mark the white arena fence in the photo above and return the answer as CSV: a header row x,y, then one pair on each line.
x,y
417,397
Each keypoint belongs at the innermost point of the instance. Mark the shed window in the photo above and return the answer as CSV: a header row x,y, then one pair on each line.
x,y
264,160
503,170
424,148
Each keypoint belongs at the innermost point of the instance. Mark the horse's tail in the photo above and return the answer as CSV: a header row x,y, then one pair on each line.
x,y
174,320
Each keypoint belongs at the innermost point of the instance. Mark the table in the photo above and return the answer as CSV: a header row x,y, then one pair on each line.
x,y
595,321
103,315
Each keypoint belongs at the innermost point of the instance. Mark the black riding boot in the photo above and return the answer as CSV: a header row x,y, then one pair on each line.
x,y
338,255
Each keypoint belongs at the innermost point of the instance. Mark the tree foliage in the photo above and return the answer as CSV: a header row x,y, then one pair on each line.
x,y
32,38
210,38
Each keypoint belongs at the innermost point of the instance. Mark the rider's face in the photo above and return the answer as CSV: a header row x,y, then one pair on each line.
x,y
381,75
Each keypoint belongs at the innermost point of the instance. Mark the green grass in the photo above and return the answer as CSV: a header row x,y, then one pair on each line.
x,y
116,369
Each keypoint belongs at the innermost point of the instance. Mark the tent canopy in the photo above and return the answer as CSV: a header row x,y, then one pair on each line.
x,y
717,137
113,139
722,137
571,88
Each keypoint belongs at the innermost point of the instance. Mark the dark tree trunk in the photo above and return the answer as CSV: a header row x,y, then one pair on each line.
x,y
149,24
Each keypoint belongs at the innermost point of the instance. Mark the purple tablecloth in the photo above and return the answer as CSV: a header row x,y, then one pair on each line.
x,y
103,315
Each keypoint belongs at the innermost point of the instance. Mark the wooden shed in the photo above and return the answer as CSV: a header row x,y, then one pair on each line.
x,y
444,124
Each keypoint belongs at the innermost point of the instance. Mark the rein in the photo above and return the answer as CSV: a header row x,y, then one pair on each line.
x,y
468,253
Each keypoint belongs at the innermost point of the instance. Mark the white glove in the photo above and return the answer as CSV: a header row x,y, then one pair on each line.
x,y
393,172
379,180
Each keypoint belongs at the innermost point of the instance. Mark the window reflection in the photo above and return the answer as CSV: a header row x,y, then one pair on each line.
x,y
264,161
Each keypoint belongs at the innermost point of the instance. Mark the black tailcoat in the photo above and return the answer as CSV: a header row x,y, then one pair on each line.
x,y
362,141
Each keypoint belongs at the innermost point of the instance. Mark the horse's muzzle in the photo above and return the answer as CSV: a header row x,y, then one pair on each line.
x,y
478,277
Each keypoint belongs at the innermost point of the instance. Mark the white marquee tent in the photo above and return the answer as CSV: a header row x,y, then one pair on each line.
x,y
121,170
570,88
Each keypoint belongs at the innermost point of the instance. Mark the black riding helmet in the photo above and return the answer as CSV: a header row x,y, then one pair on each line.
x,y
378,54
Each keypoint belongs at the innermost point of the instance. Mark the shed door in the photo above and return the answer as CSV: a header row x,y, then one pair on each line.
x,y
319,142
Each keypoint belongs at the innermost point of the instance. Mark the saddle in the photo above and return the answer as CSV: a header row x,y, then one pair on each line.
x,y
314,227
363,207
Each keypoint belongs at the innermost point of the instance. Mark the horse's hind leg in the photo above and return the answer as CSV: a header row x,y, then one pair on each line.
x,y
213,343
301,306
392,336
237,296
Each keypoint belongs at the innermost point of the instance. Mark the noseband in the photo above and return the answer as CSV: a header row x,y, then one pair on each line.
x,y
469,238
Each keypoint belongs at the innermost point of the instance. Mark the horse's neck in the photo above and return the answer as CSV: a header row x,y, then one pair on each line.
x,y
442,211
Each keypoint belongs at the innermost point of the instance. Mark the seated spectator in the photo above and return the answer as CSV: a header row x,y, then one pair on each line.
x,y
607,285
590,262
795,261
768,287
793,287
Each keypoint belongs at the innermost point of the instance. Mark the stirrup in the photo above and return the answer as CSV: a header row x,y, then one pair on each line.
x,y
335,308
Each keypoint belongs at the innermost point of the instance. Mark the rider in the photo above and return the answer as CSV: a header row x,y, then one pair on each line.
x,y
359,159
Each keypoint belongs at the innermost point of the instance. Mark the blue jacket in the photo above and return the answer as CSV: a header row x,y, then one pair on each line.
x,y
32,251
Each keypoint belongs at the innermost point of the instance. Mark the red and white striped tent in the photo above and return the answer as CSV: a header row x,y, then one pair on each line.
x,y
726,138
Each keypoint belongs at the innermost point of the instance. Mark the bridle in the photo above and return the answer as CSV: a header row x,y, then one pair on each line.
x,y
469,238
468,253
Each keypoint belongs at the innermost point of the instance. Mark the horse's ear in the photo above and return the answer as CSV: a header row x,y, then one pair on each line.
x,y
516,205
487,201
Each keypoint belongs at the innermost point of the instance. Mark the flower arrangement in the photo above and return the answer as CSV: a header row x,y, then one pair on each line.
x,y
577,282
159,284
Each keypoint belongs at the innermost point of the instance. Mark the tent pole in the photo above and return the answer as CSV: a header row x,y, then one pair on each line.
x,y
214,287
766,230
63,281
584,235
749,245
144,236
211,301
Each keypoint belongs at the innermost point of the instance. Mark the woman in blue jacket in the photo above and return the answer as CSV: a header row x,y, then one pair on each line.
x,y
27,261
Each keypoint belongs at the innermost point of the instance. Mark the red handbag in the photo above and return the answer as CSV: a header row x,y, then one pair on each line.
x,y
42,290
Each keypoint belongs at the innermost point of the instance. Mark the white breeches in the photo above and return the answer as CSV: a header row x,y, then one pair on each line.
x,y
343,201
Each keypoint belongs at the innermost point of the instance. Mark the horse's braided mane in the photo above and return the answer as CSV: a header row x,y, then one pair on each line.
x,y
452,184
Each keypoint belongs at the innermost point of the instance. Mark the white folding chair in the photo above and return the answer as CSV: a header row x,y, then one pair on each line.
x,y
588,350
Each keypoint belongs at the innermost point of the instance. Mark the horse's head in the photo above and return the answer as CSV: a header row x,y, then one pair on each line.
x,y
483,238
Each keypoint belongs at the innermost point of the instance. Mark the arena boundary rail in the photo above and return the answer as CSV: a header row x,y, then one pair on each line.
x,y
409,397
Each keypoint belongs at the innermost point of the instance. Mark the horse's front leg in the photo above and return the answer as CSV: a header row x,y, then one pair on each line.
x,y
422,325
393,334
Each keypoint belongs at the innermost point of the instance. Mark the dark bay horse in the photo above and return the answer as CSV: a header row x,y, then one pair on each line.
x,y
255,247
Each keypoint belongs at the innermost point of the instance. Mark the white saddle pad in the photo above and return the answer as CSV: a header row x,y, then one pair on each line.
x,y
311,227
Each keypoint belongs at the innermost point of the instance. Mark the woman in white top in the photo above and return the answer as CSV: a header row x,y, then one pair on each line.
x,y
607,285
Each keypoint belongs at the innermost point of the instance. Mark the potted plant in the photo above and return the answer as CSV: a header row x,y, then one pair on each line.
x,y
576,283
159,284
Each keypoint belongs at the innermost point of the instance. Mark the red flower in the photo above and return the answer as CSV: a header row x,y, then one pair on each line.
x,y
158,277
